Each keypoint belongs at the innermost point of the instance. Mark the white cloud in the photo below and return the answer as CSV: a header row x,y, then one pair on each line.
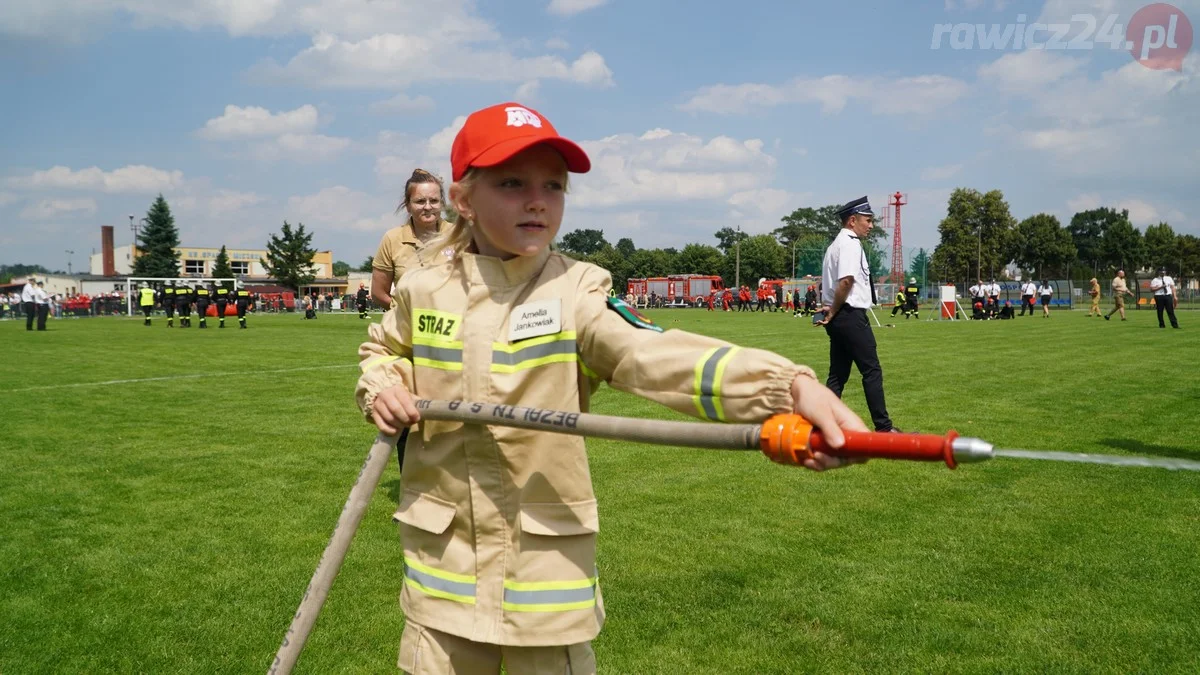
x,y
952,5
306,148
340,208
396,60
402,103
1030,71
919,95
133,179
936,173
558,44
47,209
225,202
665,166
253,122
73,20
527,91
1141,213
571,7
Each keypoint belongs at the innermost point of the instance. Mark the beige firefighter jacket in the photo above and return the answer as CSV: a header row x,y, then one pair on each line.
x,y
499,524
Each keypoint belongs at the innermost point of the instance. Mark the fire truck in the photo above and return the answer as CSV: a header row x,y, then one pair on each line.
x,y
677,290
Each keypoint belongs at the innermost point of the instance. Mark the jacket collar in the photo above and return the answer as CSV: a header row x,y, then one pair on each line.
x,y
482,269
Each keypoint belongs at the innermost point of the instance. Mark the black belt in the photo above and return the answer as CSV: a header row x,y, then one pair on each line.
x,y
852,308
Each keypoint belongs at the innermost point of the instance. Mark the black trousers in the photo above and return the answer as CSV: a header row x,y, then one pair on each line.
x,y
169,307
401,441
851,341
241,309
1026,303
1165,302
202,311
146,309
221,310
30,309
43,311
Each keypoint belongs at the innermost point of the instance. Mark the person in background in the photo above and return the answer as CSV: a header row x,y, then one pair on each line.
x,y
146,301
849,294
1045,291
203,298
1094,294
361,300
1120,290
42,298
1165,297
167,299
912,294
977,294
1028,293
29,301
993,294
183,305
401,248
222,299
901,301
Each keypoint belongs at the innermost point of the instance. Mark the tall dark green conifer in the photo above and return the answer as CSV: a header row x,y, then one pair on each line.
x,y
157,242
289,258
221,268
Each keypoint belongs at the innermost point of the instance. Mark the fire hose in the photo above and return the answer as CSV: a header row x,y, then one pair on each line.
x,y
786,439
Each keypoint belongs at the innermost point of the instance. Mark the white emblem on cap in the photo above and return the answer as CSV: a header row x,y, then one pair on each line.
x,y
519,117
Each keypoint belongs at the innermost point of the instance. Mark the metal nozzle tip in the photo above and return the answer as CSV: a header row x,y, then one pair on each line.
x,y
967,450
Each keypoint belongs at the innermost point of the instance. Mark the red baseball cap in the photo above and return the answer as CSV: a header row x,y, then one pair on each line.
x,y
493,135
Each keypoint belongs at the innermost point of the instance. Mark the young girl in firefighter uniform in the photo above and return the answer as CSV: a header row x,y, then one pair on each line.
x,y
499,524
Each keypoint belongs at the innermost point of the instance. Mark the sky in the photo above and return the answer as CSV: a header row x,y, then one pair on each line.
x,y
697,115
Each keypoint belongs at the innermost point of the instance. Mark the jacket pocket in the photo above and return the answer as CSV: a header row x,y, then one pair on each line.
x,y
560,520
426,512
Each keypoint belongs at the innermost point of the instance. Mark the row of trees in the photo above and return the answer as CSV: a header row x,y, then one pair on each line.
x,y
795,248
980,238
288,261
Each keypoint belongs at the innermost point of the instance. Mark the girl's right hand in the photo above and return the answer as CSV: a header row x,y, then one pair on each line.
x,y
394,409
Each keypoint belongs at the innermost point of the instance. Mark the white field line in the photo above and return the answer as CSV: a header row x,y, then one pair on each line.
x,y
180,377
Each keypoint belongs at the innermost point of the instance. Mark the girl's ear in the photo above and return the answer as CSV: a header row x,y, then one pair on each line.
x,y
458,197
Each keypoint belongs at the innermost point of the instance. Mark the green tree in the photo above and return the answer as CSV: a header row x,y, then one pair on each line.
x,y
221,268
918,267
157,243
975,236
1162,246
625,247
341,268
1042,247
1122,246
9,272
1087,231
650,263
1188,264
583,242
762,256
806,220
618,266
289,257
699,259
367,265
727,237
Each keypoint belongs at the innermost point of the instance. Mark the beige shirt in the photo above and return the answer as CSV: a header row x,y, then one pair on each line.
x,y
499,524
1118,286
400,248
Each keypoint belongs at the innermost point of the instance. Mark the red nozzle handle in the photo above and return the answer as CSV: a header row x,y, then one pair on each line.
x,y
791,439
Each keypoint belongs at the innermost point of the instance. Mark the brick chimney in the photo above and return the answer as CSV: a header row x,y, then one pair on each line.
x,y
106,250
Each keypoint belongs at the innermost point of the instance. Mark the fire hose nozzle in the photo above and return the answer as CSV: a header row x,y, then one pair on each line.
x,y
791,439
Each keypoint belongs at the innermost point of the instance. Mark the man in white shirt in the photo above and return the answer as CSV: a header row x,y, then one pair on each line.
x,y
1028,291
847,295
1165,297
976,292
29,301
993,293
42,298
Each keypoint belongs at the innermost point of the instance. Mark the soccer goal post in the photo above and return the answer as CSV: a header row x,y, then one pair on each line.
x,y
132,284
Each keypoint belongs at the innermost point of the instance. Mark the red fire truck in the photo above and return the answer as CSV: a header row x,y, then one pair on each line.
x,y
677,290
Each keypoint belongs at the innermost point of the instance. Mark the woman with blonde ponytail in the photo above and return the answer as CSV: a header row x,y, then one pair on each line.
x,y
401,248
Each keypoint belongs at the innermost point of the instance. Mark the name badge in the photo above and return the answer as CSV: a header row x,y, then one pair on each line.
x,y
534,319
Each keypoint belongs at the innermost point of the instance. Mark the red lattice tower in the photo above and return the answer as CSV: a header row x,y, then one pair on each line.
x,y
895,203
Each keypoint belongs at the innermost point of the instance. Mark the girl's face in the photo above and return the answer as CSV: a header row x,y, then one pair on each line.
x,y
425,204
517,206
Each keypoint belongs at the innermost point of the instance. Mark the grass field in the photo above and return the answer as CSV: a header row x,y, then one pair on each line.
x,y
167,493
